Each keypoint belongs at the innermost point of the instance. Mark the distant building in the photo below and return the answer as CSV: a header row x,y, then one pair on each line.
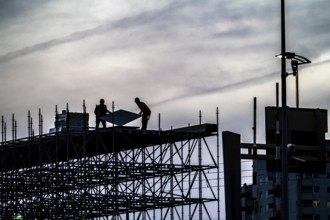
x,y
72,121
308,170
309,194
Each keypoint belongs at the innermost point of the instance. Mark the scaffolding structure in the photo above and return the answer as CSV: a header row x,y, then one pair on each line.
x,y
112,173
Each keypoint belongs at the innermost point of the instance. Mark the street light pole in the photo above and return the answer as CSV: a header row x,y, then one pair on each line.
x,y
284,183
296,60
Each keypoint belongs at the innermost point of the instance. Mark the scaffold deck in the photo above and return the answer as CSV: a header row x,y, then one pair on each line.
x,y
107,172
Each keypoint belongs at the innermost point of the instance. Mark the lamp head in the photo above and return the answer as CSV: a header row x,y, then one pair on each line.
x,y
287,55
294,65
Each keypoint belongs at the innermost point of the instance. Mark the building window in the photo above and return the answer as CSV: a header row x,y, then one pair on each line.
x,y
307,189
316,189
328,204
308,176
316,203
311,216
307,216
328,189
307,203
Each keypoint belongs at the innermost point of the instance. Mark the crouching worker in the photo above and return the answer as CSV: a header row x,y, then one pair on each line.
x,y
145,112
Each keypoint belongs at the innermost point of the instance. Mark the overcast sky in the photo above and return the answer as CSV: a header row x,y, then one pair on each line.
x,y
177,56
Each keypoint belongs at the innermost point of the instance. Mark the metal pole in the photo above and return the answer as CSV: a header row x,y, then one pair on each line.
x,y
218,163
29,129
278,157
284,119
2,129
200,181
40,122
254,150
297,89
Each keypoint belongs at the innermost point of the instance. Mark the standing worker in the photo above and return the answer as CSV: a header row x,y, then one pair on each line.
x,y
101,110
145,112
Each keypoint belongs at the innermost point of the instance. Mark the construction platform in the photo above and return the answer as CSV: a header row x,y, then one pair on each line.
x,y
117,171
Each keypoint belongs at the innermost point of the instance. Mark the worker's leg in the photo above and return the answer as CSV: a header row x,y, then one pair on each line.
x,y
144,122
104,123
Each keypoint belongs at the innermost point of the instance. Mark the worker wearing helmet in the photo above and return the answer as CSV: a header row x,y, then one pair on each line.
x,y
145,112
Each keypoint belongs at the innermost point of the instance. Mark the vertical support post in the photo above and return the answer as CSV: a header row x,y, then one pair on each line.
x,y
160,162
172,180
2,129
218,163
254,121
182,184
232,174
254,151
31,126
200,182
189,177
113,115
67,132
284,118
5,133
56,119
15,158
85,116
67,118
40,122
13,127
41,159
115,162
278,156
29,134
15,131
161,194
297,88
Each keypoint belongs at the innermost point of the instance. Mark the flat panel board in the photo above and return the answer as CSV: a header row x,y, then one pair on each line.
x,y
120,117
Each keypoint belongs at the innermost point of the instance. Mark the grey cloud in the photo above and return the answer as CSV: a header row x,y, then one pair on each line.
x,y
160,24
134,21
11,9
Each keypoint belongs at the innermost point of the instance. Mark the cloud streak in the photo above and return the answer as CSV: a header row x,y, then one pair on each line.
x,y
239,84
124,23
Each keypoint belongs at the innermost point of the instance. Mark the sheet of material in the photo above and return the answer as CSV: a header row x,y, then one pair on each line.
x,y
120,117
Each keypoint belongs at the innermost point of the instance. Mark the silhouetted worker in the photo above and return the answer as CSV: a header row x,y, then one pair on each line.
x,y
145,112
101,110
